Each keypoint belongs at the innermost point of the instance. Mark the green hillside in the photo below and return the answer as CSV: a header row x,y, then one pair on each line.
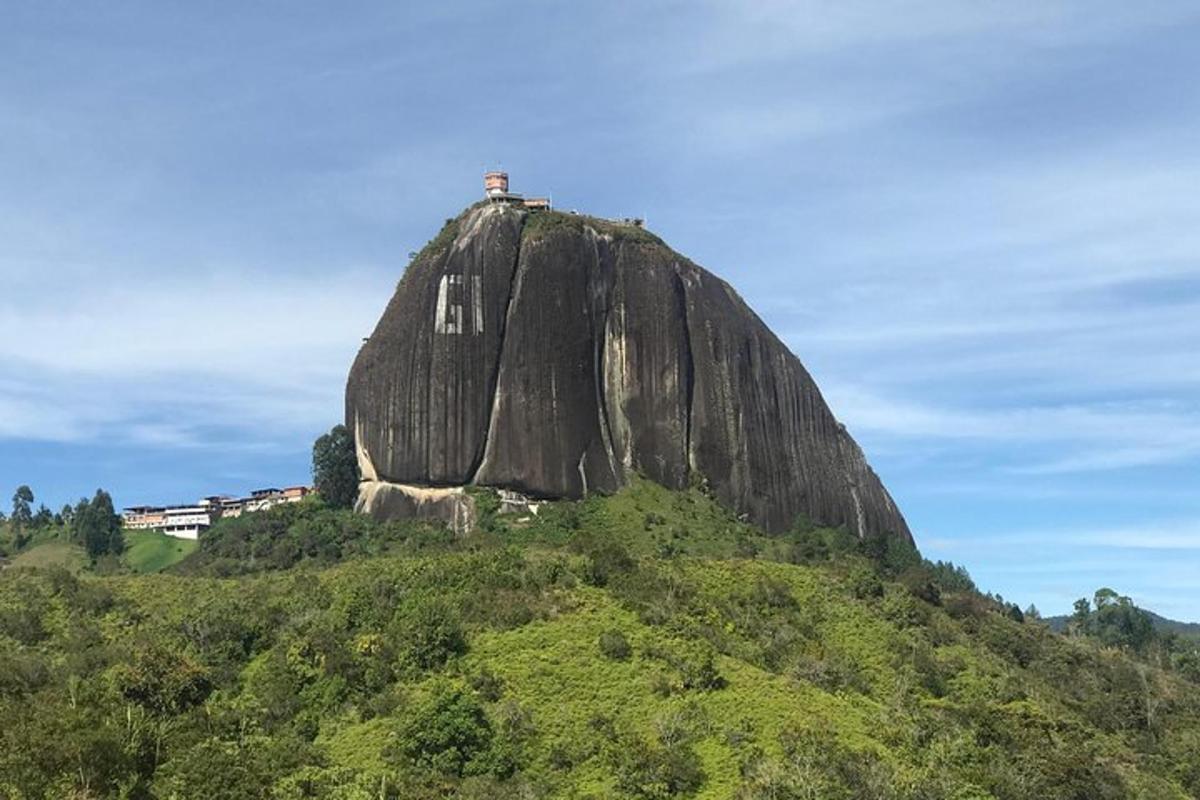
x,y
643,646
1189,630
144,551
52,553
151,551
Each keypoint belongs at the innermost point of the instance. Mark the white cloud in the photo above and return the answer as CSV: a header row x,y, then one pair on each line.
x,y
260,326
1169,534
169,360
758,30
1091,437
1157,563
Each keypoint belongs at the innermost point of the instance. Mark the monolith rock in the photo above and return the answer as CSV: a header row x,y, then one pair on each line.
x,y
556,355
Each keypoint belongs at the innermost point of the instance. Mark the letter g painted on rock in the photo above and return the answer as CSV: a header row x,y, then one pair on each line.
x,y
450,316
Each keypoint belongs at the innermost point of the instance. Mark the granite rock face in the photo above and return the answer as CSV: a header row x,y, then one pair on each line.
x,y
557,355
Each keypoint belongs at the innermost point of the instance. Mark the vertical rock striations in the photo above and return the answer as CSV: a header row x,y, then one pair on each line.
x,y
557,355
420,391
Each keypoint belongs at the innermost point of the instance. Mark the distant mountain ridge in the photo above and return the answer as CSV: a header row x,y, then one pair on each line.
x,y
1188,630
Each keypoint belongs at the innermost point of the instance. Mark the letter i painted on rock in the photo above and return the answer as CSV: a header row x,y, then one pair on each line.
x,y
449,316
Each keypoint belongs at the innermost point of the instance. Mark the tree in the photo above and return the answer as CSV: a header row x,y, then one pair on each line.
x,y
162,680
97,526
44,517
1120,623
80,509
445,733
1083,613
1114,620
165,683
22,509
335,467
656,768
1105,597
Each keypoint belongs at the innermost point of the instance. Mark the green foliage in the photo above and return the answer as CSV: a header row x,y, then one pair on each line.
x,y
547,223
816,765
614,645
51,553
445,237
306,532
865,583
1187,664
894,555
162,681
654,768
428,634
605,558
97,527
241,768
951,578
309,653
447,732
22,513
1115,621
810,544
335,467
151,551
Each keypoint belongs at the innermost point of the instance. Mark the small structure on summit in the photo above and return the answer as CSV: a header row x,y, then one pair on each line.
x,y
495,189
495,185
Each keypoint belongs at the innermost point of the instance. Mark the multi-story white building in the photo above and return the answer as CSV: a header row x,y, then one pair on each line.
x,y
188,522
143,517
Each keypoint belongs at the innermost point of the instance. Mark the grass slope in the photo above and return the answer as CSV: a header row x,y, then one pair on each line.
x,y
52,553
145,551
152,551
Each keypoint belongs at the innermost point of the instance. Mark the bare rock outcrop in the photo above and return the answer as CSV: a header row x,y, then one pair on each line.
x,y
557,355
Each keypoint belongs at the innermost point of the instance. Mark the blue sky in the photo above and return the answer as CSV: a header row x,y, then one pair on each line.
x,y
977,224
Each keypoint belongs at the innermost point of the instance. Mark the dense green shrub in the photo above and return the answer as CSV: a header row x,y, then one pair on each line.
x,y
605,558
162,681
446,732
654,769
428,634
614,645
306,532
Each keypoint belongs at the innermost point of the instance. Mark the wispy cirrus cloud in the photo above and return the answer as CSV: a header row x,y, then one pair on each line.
x,y
1158,534
1055,438
737,33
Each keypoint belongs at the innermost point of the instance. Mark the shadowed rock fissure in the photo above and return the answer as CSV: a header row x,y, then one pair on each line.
x,y
690,369
428,440
494,381
598,372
